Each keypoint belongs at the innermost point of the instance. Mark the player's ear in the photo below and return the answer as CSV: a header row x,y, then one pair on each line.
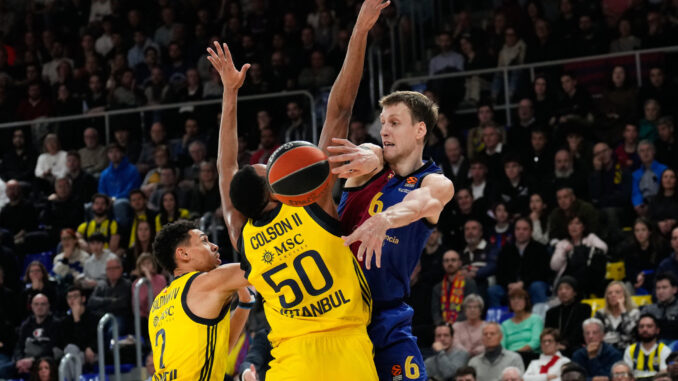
x,y
420,130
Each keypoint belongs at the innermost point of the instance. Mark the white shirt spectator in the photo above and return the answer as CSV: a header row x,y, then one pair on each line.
x,y
55,163
442,61
103,44
99,9
533,372
663,354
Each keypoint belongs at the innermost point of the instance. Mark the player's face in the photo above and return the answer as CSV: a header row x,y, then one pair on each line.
x,y
204,254
399,132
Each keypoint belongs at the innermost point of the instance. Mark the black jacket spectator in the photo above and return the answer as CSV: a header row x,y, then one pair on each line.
x,y
113,298
610,188
567,319
532,265
37,339
83,333
84,186
18,216
19,162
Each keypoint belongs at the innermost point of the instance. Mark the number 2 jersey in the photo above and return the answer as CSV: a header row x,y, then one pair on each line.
x,y
309,280
390,284
185,346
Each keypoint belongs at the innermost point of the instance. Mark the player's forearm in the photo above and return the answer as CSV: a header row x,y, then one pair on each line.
x,y
238,320
345,89
416,205
227,154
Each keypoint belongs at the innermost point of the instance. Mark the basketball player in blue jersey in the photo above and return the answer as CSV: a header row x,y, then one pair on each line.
x,y
389,213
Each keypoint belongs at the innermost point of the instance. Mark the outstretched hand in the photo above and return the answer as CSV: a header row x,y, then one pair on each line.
x,y
369,13
220,58
371,235
356,160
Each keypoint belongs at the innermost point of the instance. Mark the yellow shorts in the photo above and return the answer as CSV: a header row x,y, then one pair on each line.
x,y
324,356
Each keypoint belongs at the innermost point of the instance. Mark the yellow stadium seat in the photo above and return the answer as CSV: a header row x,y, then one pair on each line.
x,y
598,303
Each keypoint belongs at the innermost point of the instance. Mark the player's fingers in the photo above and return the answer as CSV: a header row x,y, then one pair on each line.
x,y
361,253
227,52
348,240
384,5
377,254
219,50
338,150
368,256
342,157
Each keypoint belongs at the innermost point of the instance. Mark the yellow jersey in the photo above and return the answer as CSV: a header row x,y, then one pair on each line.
x,y
107,227
185,346
309,280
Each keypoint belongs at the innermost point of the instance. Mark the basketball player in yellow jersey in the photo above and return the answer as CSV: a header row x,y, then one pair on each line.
x,y
316,299
190,326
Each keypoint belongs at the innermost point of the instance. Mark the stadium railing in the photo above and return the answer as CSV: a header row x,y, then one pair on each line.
x,y
506,105
103,322
63,364
137,318
45,123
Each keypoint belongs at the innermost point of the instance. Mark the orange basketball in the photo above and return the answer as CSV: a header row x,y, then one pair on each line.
x,y
298,173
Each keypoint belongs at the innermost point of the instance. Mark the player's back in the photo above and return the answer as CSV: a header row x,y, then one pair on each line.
x,y
309,280
185,346
316,298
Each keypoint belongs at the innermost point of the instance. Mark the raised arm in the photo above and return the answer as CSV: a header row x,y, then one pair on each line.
x,y
227,157
425,202
345,87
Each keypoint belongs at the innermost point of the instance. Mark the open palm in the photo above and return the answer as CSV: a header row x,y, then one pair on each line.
x,y
220,58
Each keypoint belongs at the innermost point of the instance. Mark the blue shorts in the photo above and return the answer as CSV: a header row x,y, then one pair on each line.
x,y
397,356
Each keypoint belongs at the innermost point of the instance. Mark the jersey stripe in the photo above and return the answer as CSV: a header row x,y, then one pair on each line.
x,y
364,288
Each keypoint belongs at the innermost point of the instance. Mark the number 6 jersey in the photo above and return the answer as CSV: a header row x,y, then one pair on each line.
x,y
309,280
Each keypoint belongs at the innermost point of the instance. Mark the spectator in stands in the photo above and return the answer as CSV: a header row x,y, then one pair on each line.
x,y
647,126
474,140
646,179
483,191
573,372
357,133
267,146
18,217
575,102
456,166
469,333
494,150
94,270
448,295
609,187
18,162
38,335
131,148
52,162
447,359
589,40
447,58
512,53
35,105
543,46
158,137
474,59
156,89
664,92
515,188
163,35
500,232
143,242
161,159
670,264
667,148
626,41
96,98
117,181
653,353
642,253
169,210
168,183
538,157
92,155
63,210
568,316
538,218
147,268
179,147
44,369
79,328
454,217
618,104
619,316
84,185
495,359
296,128
198,153
666,308
519,134
512,374
135,55
622,371
101,223
175,69
318,74
597,357
113,295
544,100
480,258
570,206
523,264
672,366
566,174
69,264
465,373
521,332
125,93
626,152
138,202
37,282
581,255
204,197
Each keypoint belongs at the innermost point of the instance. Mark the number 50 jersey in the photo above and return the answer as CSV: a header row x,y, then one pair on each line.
x,y
309,280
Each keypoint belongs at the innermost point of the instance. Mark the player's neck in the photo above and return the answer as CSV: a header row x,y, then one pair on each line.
x,y
408,164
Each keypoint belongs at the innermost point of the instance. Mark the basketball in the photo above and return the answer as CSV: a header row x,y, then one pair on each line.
x,y
298,173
